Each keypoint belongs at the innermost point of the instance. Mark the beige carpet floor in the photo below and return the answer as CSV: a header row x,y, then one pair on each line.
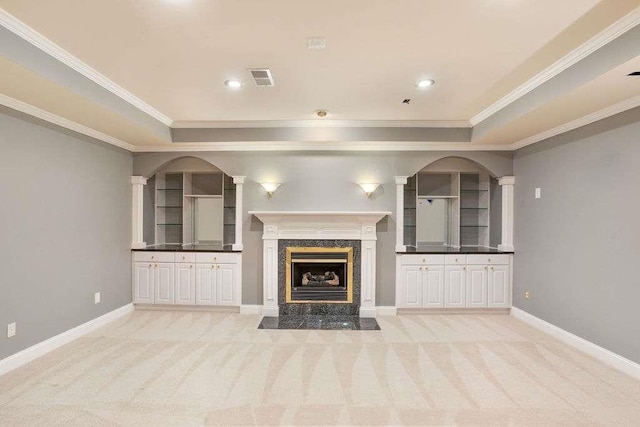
x,y
200,368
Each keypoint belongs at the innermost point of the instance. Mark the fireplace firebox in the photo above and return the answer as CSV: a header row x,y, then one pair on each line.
x,y
319,275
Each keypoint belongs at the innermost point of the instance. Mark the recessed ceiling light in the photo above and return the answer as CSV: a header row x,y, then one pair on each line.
x,y
321,113
425,83
235,84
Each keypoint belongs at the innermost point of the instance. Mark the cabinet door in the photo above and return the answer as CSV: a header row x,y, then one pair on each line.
x,y
499,286
205,284
455,285
411,287
226,284
433,286
477,286
185,284
143,283
163,281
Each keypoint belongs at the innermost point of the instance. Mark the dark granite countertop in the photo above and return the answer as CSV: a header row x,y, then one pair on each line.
x,y
188,248
436,249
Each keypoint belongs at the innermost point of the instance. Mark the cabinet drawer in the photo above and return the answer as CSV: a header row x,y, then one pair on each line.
x,y
189,257
455,259
217,257
422,259
152,256
488,259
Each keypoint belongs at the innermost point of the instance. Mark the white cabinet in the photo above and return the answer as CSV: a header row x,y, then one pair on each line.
x,y
455,285
205,278
453,281
185,284
476,292
499,286
216,284
143,282
163,280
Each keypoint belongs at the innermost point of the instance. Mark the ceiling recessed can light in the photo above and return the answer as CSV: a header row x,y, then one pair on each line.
x,y
233,83
321,113
425,83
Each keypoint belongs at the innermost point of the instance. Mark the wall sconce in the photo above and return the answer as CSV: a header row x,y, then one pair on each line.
x,y
369,188
270,187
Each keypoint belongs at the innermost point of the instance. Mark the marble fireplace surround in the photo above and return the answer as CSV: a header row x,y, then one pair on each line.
x,y
318,225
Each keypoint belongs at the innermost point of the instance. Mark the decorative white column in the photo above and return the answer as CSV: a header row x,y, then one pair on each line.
x,y
368,268
401,181
238,181
137,217
507,182
270,307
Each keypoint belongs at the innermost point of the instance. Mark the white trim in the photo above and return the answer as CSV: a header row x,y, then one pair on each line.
x,y
222,124
31,353
386,310
41,114
368,312
22,30
271,311
612,110
610,33
250,309
610,358
321,146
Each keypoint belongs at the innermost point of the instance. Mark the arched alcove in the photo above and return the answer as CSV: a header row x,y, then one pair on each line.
x,y
188,164
456,164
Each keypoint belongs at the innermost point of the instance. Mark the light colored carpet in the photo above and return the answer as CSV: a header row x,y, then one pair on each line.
x,y
195,368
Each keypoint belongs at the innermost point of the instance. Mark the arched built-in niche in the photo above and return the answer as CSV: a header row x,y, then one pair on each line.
x,y
452,202
188,200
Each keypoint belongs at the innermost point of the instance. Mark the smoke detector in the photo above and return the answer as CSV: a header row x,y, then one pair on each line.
x,y
316,42
262,77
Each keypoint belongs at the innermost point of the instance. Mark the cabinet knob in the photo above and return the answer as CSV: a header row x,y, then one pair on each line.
x,y
184,257
191,266
156,265
215,258
218,266
150,265
456,259
420,268
464,268
485,267
424,260
489,259
426,268
492,268
152,257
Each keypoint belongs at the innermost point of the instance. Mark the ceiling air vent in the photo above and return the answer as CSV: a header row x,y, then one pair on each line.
x,y
262,76
635,73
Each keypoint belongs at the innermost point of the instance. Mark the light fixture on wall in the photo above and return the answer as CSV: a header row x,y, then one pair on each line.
x,y
270,187
369,188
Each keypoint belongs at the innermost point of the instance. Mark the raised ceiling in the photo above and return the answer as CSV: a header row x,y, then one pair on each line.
x,y
169,59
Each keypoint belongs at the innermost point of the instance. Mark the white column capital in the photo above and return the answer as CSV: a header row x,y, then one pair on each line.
x,y
401,180
507,180
238,179
138,180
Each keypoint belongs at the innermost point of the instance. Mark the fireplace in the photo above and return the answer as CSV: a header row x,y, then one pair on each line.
x,y
319,275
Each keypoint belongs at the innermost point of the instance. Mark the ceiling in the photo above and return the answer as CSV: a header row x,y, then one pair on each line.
x,y
133,70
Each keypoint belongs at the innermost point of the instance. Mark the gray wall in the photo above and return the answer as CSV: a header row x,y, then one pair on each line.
x,y
577,246
320,181
65,222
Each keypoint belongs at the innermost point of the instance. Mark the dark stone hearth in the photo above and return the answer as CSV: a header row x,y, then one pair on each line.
x,y
353,323
319,309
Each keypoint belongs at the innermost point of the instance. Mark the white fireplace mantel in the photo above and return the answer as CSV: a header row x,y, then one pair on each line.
x,y
319,225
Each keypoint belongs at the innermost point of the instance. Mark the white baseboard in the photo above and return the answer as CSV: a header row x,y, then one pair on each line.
x,y
273,311
368,312
610,358
386,310
28,354
250,309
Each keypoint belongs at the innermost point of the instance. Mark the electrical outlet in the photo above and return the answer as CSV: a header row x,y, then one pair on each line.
x,y
96,298
11,329
527,295
538,193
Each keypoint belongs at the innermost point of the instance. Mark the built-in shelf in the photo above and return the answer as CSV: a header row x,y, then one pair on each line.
x,y
437,197
204,196
473,226
475,209
171,225
169,189
170,207
462,190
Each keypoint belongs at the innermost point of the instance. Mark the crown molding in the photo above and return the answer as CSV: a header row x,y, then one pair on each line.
x,y
610,33
582,121
41,114
224,124
22,30
320,146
